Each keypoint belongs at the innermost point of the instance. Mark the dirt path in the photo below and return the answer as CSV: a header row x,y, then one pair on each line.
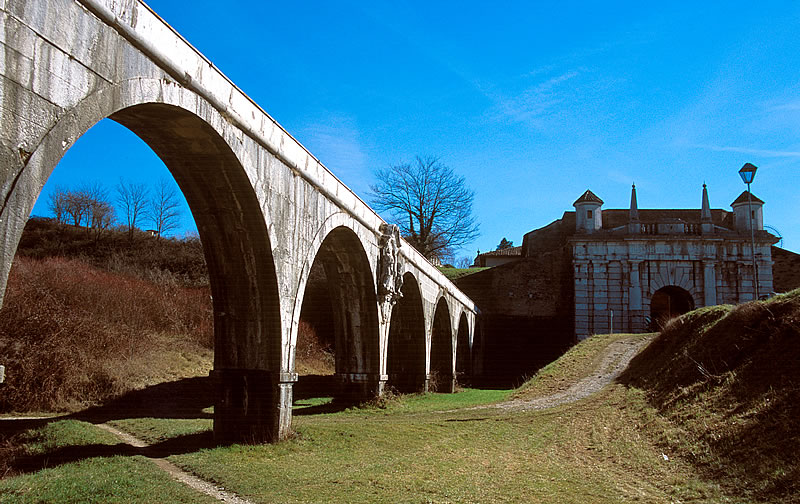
x,y
176,472
616,359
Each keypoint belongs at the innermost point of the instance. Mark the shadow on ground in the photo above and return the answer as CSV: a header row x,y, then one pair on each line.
x,y
189,398
179,445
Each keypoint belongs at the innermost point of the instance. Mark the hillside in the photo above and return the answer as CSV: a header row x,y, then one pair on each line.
x,y
86,319
726,381
179,261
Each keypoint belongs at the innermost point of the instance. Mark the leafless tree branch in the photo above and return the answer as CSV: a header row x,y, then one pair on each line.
x,y
431,204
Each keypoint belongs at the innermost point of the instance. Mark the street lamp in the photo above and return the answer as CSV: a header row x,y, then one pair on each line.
x,y
748,173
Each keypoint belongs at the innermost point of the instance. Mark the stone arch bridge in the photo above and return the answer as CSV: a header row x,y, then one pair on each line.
x,y
266,209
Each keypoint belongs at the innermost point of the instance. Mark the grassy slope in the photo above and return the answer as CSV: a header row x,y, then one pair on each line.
x,y
727,382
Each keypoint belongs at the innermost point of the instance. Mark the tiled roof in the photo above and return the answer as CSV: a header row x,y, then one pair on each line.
x,y
743,199
613,217
588,197
510,252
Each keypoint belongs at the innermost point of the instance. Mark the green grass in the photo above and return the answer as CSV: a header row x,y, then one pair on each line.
x,y
156,430
71,474
412,451
454,273
591,451
101,480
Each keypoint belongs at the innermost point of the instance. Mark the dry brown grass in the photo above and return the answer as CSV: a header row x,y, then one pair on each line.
x,y
313,357
72,334
728,380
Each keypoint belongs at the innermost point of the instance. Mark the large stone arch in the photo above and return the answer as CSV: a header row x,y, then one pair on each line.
x,y
441,353
351,288
405,358
190,137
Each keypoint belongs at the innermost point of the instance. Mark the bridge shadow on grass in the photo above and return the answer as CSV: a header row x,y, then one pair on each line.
x,y
186,398
189,398
180,399
179,445
314,395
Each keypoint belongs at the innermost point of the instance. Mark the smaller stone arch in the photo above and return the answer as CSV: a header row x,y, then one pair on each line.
x,y
442,365
405,359
353,305
669,302
678,275
463,351
334,221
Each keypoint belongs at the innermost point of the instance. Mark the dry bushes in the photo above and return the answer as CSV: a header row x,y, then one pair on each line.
x,y
312,356
67,328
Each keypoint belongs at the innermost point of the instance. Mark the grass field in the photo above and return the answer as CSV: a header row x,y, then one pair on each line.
x,y
419,448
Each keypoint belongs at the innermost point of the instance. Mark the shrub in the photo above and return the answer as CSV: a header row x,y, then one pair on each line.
x,y
312,356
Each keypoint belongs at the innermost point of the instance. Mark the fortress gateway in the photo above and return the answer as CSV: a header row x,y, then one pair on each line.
x,y
633,268
650,265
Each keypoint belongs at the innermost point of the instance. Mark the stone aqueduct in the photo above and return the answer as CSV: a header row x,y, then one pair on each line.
x,y
266,209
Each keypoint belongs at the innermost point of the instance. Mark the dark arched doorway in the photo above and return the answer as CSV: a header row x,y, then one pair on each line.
x,y
667,303
406,353
441,375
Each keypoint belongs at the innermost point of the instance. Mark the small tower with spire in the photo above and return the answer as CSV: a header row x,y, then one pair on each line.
x,y
634,224
588,214
706,224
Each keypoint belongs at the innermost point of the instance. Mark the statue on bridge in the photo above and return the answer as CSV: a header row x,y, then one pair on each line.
x,y
391,275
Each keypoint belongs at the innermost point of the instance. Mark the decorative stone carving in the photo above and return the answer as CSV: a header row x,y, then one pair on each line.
x,y
390,280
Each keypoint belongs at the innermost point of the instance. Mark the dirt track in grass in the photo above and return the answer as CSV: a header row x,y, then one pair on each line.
x,y
616,358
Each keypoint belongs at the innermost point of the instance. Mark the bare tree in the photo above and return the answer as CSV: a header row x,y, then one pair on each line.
x,y
102,216
57,201
77,206
464,262
132,200
99,212
431,204
164,211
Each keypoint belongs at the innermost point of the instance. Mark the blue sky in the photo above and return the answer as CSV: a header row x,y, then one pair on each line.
x,y
533,102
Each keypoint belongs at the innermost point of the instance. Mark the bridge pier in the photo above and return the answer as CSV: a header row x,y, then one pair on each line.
x,y
409,383
252,405
359,387
441,383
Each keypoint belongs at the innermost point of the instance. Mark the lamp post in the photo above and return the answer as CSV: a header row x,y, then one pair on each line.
x,y
748,173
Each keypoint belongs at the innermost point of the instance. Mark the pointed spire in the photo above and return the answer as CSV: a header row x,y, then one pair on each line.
x,y
706,224
634,226
633,216
705,213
